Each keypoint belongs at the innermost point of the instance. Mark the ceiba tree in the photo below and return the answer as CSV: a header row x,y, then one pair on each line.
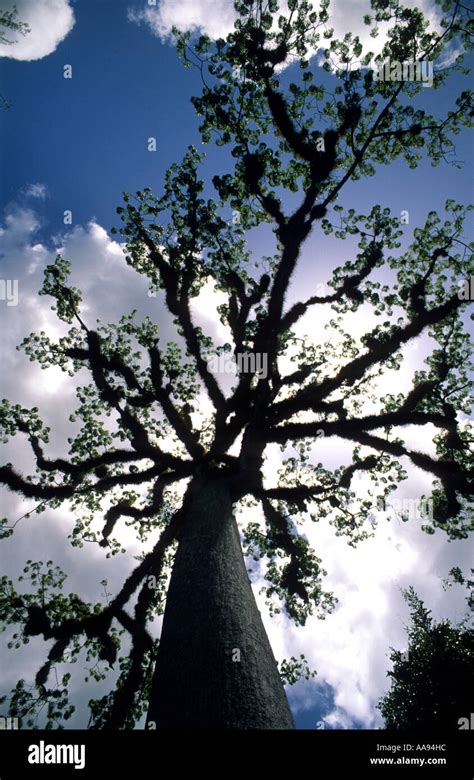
x,y
147,451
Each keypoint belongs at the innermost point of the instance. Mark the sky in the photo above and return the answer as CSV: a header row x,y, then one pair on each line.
x,y
75,144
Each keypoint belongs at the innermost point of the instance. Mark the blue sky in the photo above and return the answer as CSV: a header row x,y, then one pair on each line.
x,y
86,137
81,142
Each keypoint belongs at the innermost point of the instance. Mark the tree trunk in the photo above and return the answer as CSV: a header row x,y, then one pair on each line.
x,y
215,667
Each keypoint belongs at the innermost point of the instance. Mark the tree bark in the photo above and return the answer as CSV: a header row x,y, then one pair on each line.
x,y
215,667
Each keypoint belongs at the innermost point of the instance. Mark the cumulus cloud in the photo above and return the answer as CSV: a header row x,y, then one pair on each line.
x,y
98,268
213,17
16,247
36,190
50,21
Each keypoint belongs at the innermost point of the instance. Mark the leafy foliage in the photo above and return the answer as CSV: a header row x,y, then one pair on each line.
x,y
430,682
293,670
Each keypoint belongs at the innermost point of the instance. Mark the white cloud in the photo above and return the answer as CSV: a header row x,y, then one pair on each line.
x,y
36,190
50,21
213,17
15,237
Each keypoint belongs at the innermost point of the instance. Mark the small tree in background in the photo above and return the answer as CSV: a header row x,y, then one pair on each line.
x,y
431,682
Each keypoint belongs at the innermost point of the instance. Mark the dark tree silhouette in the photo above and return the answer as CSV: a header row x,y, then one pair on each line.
x,y
430,686
294,145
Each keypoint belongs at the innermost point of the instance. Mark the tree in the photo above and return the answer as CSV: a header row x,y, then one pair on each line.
x,y
145,433
430,682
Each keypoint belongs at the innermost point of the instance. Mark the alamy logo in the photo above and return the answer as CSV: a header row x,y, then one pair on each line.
x,y
392,70
466,723
466,289
9,724
9,291
57,754
246,363
411,508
